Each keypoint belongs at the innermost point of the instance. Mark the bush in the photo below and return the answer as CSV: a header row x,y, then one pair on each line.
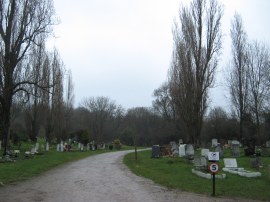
x,y
117,144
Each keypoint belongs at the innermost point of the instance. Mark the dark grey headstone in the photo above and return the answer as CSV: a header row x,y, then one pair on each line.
x,y
155,151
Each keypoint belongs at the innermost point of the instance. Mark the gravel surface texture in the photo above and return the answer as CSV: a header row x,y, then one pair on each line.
x,y
99,178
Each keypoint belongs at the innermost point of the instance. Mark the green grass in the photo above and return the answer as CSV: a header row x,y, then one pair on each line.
x,y
176,173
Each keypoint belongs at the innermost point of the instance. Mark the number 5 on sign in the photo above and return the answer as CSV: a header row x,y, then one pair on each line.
x,y
213,167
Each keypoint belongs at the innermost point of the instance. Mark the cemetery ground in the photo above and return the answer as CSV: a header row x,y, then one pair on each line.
x,y
175,173
22,168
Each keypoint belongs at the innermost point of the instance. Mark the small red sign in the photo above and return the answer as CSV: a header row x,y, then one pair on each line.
x,y
213,167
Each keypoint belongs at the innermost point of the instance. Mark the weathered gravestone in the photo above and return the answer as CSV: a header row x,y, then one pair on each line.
x,y
37,146
267,144
155,151
214,142
182,150
204,152
61,146
219,149
47,146
200,162
190,151
235,148
174,149
230,163
256,162
58,147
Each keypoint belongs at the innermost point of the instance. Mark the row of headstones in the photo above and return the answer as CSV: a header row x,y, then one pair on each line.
x,y
81,147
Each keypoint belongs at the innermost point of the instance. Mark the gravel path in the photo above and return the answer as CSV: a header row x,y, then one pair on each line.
x,y
97,178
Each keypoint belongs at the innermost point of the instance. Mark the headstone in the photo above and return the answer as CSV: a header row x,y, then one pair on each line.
x,y
47,146
81,149
200,162
37,146
0,144
174,149
267,144
190,150
182,150
220,150
155,151
230,163
235,148
61,146
58,147
79,146
93,147
256,162
230,143
214,142
204,152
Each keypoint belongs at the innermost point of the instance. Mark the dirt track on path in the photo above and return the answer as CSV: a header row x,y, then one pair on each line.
x,y
97,178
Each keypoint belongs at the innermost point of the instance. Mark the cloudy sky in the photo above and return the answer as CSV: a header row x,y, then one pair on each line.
x,y
122,48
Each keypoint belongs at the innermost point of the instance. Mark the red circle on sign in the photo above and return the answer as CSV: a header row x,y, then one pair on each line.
x,y
213,167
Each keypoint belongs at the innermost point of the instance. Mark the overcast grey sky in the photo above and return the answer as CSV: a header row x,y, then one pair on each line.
x,y
122,48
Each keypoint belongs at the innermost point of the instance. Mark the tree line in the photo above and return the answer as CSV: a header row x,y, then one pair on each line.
x,y
37,92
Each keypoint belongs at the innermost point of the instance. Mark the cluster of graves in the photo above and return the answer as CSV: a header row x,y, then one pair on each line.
x,y
201,161
91,146
38,149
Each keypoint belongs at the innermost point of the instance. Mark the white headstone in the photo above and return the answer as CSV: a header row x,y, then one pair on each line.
x,y
93,147
37,146
230,163
267,144
61,147
190,150
47,146
204,152
58,147
214,142
182,150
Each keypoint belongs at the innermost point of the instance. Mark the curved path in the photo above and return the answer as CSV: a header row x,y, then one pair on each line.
x,y
96,178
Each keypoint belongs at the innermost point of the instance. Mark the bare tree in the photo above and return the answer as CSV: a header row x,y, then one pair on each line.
x,y
21,22
68,101
57,100
33,114
238,81
257,66
197,44
163,102
100,110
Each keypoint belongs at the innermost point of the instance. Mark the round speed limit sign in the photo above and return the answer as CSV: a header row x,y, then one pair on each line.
x,y
213,167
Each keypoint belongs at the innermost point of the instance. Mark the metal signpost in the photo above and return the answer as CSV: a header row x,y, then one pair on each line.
x,y
213,167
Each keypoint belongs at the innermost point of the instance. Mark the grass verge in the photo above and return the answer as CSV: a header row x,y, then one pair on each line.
x,y
176,173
